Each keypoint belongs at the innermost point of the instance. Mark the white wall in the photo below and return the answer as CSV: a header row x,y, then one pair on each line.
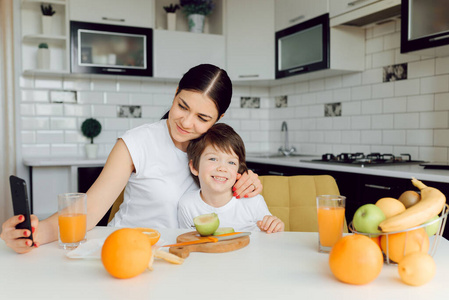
x,y
409,116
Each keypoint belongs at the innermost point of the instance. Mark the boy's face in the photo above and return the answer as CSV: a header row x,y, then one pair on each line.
x,y
217,170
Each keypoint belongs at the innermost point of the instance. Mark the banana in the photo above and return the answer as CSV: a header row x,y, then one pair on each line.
x,y
431,204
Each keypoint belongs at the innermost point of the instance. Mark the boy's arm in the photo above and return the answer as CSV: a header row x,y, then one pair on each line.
x,y
271,224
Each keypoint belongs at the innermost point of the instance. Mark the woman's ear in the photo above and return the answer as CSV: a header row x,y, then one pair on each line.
x,y
192,169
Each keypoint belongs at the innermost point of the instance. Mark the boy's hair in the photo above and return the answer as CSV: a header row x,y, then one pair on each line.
x,y
222,137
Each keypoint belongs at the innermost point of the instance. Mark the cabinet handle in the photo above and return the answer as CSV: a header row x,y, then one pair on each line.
x,y
296,19
249,76
379,187
113,19
113,70
439,38
355,2
275,173
296,70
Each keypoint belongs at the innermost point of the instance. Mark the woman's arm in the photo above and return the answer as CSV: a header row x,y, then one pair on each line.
x,y
100,197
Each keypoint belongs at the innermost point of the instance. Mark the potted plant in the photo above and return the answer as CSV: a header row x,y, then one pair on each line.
x,y
43,56
171,16
196,10
91,128
47,14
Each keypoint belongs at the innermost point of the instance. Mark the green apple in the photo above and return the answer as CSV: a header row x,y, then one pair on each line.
x,y
431,229
224,230
367,218
206,224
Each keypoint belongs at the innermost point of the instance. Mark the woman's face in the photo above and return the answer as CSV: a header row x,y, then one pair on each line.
x,y
191,115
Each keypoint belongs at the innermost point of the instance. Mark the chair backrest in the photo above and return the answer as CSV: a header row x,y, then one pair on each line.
x,y
293,199
116,206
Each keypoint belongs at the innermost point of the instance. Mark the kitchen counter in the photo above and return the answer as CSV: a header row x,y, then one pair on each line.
x,y
283,265
399,171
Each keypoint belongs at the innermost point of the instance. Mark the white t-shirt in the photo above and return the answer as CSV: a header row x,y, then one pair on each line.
x,y
161,177
240,214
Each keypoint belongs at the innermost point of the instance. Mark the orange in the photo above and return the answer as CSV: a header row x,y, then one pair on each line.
x,y
356,259
390,206
402,243
417,268
374,239
152,234
126,253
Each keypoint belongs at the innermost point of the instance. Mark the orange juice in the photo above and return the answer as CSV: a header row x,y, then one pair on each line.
x,y
330,224
72,227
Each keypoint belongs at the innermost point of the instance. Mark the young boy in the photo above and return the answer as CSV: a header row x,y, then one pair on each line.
x,y
215,159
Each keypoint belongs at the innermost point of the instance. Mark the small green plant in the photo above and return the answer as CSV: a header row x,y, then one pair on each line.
x,y
202,7
171,8
43,46
91,128
47,10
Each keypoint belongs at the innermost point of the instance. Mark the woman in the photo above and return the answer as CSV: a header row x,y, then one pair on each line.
x,y
151,161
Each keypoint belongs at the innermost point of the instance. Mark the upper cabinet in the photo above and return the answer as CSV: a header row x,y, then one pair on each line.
x,y
138,13
338,7
250,39
292,12
40,32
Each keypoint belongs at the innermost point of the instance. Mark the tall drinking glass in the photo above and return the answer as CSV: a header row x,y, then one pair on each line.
x,y
331,218
72,211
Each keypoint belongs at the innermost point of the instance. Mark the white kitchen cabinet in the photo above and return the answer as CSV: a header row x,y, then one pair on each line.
x,y
250,39
32,35
175,52
338,7
137,13
292,12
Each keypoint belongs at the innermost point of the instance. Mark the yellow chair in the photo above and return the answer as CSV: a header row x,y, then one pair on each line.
x,y
293,199
116,206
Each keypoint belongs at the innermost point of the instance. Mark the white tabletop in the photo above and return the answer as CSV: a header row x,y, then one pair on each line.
x,y
277,266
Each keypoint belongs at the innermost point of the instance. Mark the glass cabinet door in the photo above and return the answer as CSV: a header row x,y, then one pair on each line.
x,y
428,17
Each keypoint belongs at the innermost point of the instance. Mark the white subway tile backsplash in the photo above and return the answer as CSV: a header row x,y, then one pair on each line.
x,y
374,45
406,87
316,85
435,84
49,109
316,110
351,108
361,122
47,83
35,123
324,123
420,103
76,84
383,90
75,136
420,137
401,58
159,87
351,137
392,41
49,136
104,84
441,137
384,121
332,83
64,150
406,121
353,79
77,110
384,28
316,136
421,68
90,97
162,100
308,99
140,99
26,82
383,59
372,76
341,123
28,137
34,96
394,137
63,123
437,119
442,65
372,107
361,92
27,109
394,105
129,86
371,137
442,101
342,95
332,137
302,87
324,97
36,150
104,111
250,125
116,124
116,98
433,153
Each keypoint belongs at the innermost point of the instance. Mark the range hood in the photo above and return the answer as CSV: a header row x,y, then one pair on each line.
x,y
377,12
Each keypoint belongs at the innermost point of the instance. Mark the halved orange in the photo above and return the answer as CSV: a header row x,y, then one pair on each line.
x,y
152,234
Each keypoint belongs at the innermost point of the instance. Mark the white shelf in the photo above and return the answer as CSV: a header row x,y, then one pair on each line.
x,y
49,72
41,37
46,2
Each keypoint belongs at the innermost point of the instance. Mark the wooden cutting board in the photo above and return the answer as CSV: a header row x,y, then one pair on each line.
x,y
218,247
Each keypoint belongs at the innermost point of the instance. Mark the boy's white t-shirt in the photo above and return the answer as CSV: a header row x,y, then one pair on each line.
x,y
240,214
161,177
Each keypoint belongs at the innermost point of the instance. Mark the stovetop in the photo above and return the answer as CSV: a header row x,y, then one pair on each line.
x,y
368,160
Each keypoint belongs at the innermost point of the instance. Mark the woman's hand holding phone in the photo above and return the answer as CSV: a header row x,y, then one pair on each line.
x,y
18,239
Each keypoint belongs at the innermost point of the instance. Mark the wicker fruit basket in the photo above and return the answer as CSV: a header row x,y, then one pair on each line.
x,y
389,241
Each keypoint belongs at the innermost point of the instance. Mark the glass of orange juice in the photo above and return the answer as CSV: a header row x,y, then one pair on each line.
x,y
331,218
72,211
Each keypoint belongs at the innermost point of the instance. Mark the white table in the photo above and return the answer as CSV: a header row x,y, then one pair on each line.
x,y
277,266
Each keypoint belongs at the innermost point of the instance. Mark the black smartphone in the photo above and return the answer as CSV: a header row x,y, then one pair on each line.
x,y
20,202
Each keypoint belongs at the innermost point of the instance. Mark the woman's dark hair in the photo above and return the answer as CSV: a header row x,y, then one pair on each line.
x,y
211,81
222,137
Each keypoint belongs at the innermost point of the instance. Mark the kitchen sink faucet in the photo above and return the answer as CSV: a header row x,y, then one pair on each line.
x,y
285,149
